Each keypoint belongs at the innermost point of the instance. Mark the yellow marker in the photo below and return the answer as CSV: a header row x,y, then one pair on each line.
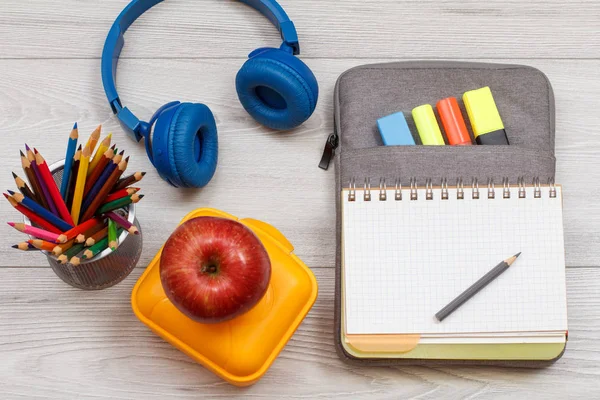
x,y
484,116
84,163
427,125
104,145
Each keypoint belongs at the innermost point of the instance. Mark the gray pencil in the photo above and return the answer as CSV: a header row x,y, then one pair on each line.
x,y
475,288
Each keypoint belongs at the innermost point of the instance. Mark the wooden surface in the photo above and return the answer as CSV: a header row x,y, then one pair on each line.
x,y
59,342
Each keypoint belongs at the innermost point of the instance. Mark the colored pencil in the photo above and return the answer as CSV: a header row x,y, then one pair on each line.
x,y
45,194
99,184
120,193
25,246
128,180
100,167
36,232
96,237
73,177
70,254
82,237
71,148
119,203
42,244
128,226
41,211
84,163
26,164
33,217
93,139
104,145
112,235
24,187
53,189
76,230
105,190
100,246
61,248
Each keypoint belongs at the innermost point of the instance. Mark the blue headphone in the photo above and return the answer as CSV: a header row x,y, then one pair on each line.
x,y
276,89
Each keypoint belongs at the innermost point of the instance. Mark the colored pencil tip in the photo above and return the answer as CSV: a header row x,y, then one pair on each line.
x,y
15,246
518,254
127,159
79,148
11,224
22,155
75,125
113,146
10,192
122,152
14,175
143,174
5,195
141,196
27,147
35,150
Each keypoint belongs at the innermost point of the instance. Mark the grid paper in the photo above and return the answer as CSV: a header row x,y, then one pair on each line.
x,y
405,260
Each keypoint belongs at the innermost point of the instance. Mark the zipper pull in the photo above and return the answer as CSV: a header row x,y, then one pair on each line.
x,y
329,151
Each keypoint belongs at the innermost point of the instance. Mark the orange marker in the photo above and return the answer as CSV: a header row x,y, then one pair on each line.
x,y
453,122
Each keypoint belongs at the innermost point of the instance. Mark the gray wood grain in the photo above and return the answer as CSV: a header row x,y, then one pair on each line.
x,y
61,343
261,174
327,29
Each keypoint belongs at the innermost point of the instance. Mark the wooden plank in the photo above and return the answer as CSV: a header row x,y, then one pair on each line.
x,y
57,342
262,174
327,28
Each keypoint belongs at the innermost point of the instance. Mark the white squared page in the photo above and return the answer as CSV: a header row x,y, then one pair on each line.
x,y
403,261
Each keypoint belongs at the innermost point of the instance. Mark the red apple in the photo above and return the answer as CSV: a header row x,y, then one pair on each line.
x,y
214,269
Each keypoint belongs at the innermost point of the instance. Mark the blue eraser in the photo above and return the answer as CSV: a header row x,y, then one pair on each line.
x,y
394,130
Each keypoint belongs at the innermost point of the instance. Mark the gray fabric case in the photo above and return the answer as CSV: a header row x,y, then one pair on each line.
x,y
366,93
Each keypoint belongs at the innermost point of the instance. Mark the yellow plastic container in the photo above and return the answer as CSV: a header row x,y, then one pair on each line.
x,y
242,349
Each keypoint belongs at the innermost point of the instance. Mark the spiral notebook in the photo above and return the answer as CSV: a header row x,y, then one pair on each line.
x,y
407,252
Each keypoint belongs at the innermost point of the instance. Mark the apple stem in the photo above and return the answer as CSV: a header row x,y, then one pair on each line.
x,y
210,268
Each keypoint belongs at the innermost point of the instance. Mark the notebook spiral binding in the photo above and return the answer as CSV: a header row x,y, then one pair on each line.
x,y
460,189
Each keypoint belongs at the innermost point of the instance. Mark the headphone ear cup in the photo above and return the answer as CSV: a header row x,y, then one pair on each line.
x,y
277,89
185,145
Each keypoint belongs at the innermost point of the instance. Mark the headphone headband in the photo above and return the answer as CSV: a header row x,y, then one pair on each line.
x,y
115,40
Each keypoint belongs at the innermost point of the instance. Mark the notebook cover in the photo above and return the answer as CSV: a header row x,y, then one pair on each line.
x,y
526,101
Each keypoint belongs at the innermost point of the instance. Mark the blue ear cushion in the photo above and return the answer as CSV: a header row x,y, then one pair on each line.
x,y
190,134
277,89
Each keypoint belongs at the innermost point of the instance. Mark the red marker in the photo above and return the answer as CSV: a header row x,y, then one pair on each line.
x,y
453,122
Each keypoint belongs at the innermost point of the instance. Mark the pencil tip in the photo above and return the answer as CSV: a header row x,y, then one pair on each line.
x,y
79,148
75,125
15,246
11,224
27,147
10,192
127,158
22,154
14,175
122,152
141,196
517,255
143,174
5,195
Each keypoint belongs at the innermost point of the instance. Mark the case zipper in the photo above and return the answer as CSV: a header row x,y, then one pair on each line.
x,y
329,151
